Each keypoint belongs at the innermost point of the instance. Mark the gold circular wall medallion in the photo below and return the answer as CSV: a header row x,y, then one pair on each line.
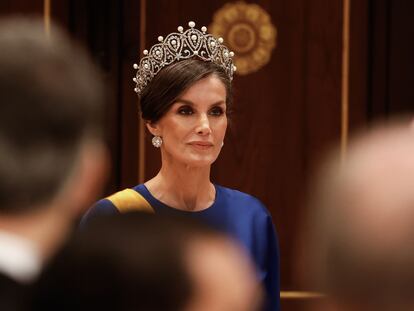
x,y
247,30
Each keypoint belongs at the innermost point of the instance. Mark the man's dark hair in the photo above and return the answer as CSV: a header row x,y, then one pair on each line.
x,y
51,101
132,261
173,80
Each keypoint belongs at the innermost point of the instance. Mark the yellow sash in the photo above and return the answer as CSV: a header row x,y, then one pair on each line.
x,y
130,200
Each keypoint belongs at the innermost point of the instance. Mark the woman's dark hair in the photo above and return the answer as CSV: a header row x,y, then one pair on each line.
x,y
173,80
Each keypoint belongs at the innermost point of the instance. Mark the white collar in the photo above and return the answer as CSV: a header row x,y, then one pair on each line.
x,y
19,258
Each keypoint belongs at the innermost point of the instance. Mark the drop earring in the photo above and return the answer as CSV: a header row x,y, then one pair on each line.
x,y
157,141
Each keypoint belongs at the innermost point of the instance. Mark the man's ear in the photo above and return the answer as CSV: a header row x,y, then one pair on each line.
x,y
153,128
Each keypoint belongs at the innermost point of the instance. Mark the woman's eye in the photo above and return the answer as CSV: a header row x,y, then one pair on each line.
x,y
185,111
216,111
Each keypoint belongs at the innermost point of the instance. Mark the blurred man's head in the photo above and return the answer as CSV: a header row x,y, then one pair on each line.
x,y
363,221
51,105
144,262
222,277
50,126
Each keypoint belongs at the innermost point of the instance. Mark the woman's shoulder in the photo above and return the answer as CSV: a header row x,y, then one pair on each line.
x,y
101,207
140,188
107,205
241,200
238,195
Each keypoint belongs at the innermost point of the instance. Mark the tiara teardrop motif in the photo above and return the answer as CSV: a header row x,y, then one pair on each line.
x,y
179,46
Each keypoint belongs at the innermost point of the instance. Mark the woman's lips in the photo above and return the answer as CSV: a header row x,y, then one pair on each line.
x,y
201,145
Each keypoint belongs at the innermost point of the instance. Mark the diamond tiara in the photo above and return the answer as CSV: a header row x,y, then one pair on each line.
x,y
179,46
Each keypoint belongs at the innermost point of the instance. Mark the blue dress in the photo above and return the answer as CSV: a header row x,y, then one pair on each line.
x,y
242,216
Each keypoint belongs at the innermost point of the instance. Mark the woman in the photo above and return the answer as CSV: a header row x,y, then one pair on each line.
x,y
184,85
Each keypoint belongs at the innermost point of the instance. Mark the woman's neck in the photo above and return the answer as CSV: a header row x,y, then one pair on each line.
x,y
183,187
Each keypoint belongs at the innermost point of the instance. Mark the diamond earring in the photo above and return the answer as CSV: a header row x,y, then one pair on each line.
x,y
157,141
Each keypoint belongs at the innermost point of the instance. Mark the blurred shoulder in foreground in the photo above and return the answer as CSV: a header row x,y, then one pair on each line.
x,y
138,261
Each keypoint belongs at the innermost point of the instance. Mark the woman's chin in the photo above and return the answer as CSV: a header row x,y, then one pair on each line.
x,y
200,161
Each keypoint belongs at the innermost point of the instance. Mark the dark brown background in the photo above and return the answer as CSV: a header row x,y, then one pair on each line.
x,y
286,114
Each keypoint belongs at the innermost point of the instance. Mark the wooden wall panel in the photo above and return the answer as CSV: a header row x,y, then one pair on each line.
x,y
359,60
382,66
21,7
130,117
401,60
110,31
392,73
378,58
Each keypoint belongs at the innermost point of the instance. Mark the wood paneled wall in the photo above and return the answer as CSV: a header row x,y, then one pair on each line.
x,y
286,114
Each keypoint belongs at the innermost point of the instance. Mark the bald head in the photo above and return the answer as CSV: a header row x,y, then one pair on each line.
x,y
222,276
363,219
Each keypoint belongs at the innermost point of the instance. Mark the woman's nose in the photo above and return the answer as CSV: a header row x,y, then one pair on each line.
x,y
203,127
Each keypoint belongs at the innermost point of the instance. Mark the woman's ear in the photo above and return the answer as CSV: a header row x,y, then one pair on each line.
x,y
152,128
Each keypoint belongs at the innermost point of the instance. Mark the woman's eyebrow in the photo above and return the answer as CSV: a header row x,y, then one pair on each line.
x,y
190,103
219,103
184,101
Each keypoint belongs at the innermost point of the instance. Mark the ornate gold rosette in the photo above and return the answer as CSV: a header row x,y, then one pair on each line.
x,y
248,31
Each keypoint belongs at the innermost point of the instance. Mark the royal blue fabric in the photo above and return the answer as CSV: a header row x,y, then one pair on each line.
x,y
242,216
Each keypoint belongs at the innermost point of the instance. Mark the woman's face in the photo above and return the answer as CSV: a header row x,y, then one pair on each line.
x,y
194,127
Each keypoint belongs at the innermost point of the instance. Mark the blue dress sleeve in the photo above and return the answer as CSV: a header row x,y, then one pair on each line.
x,y
102,207
272,264
247,219
265,251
